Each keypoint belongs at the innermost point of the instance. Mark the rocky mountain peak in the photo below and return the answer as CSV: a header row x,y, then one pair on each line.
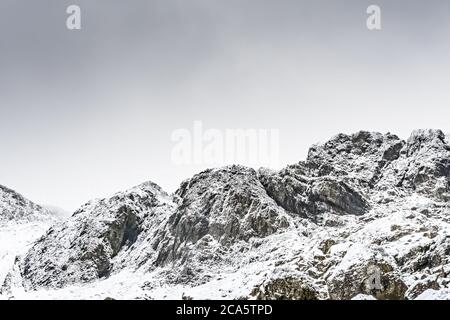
x,y
228,204
359,157
425,168
422,140
84,247
361,205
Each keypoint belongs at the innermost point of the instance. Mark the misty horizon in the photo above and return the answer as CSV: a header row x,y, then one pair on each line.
x,y
87,113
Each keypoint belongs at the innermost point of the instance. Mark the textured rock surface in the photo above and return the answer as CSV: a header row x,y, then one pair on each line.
x,y
82,249
14,206
311,196
374,273
360,205
21,222
227,204
428,166
359,157
289,288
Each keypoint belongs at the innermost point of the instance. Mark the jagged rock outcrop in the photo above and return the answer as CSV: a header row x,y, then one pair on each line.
x,y
358,158
310,196
427,168
228,204
83,248
361,204
335,175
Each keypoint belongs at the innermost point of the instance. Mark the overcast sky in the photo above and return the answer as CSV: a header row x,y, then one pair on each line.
x,y
86,113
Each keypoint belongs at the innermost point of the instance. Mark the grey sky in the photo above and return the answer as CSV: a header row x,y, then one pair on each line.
x,y
87,113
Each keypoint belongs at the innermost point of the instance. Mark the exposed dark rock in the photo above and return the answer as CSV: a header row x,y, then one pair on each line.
x,y
308,196
228,204
303,219
336,196
289,288
359,157
82,249
375,277
420,287
428,164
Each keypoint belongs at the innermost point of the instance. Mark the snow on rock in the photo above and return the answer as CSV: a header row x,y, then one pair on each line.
x,y
428,170
14,207
359,157
21,222
366,270
366,216
82,248
312,196
431,294
225,205
363,297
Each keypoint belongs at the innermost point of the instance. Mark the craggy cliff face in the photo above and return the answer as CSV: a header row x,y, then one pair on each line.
x,y
365,215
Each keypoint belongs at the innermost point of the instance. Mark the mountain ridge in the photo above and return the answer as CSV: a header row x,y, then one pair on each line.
x,y
14,206
320,227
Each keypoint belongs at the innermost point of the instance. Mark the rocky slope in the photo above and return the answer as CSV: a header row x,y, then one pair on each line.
x,y
15,207
21,222
366,215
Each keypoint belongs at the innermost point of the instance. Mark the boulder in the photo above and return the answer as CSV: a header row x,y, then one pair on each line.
x,y
366,271
287,288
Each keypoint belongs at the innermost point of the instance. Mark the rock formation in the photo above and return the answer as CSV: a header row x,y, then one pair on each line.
x,y
366,214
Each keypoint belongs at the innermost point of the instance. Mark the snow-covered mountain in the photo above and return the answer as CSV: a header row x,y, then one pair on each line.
x,y
15,207
21,223
365,215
